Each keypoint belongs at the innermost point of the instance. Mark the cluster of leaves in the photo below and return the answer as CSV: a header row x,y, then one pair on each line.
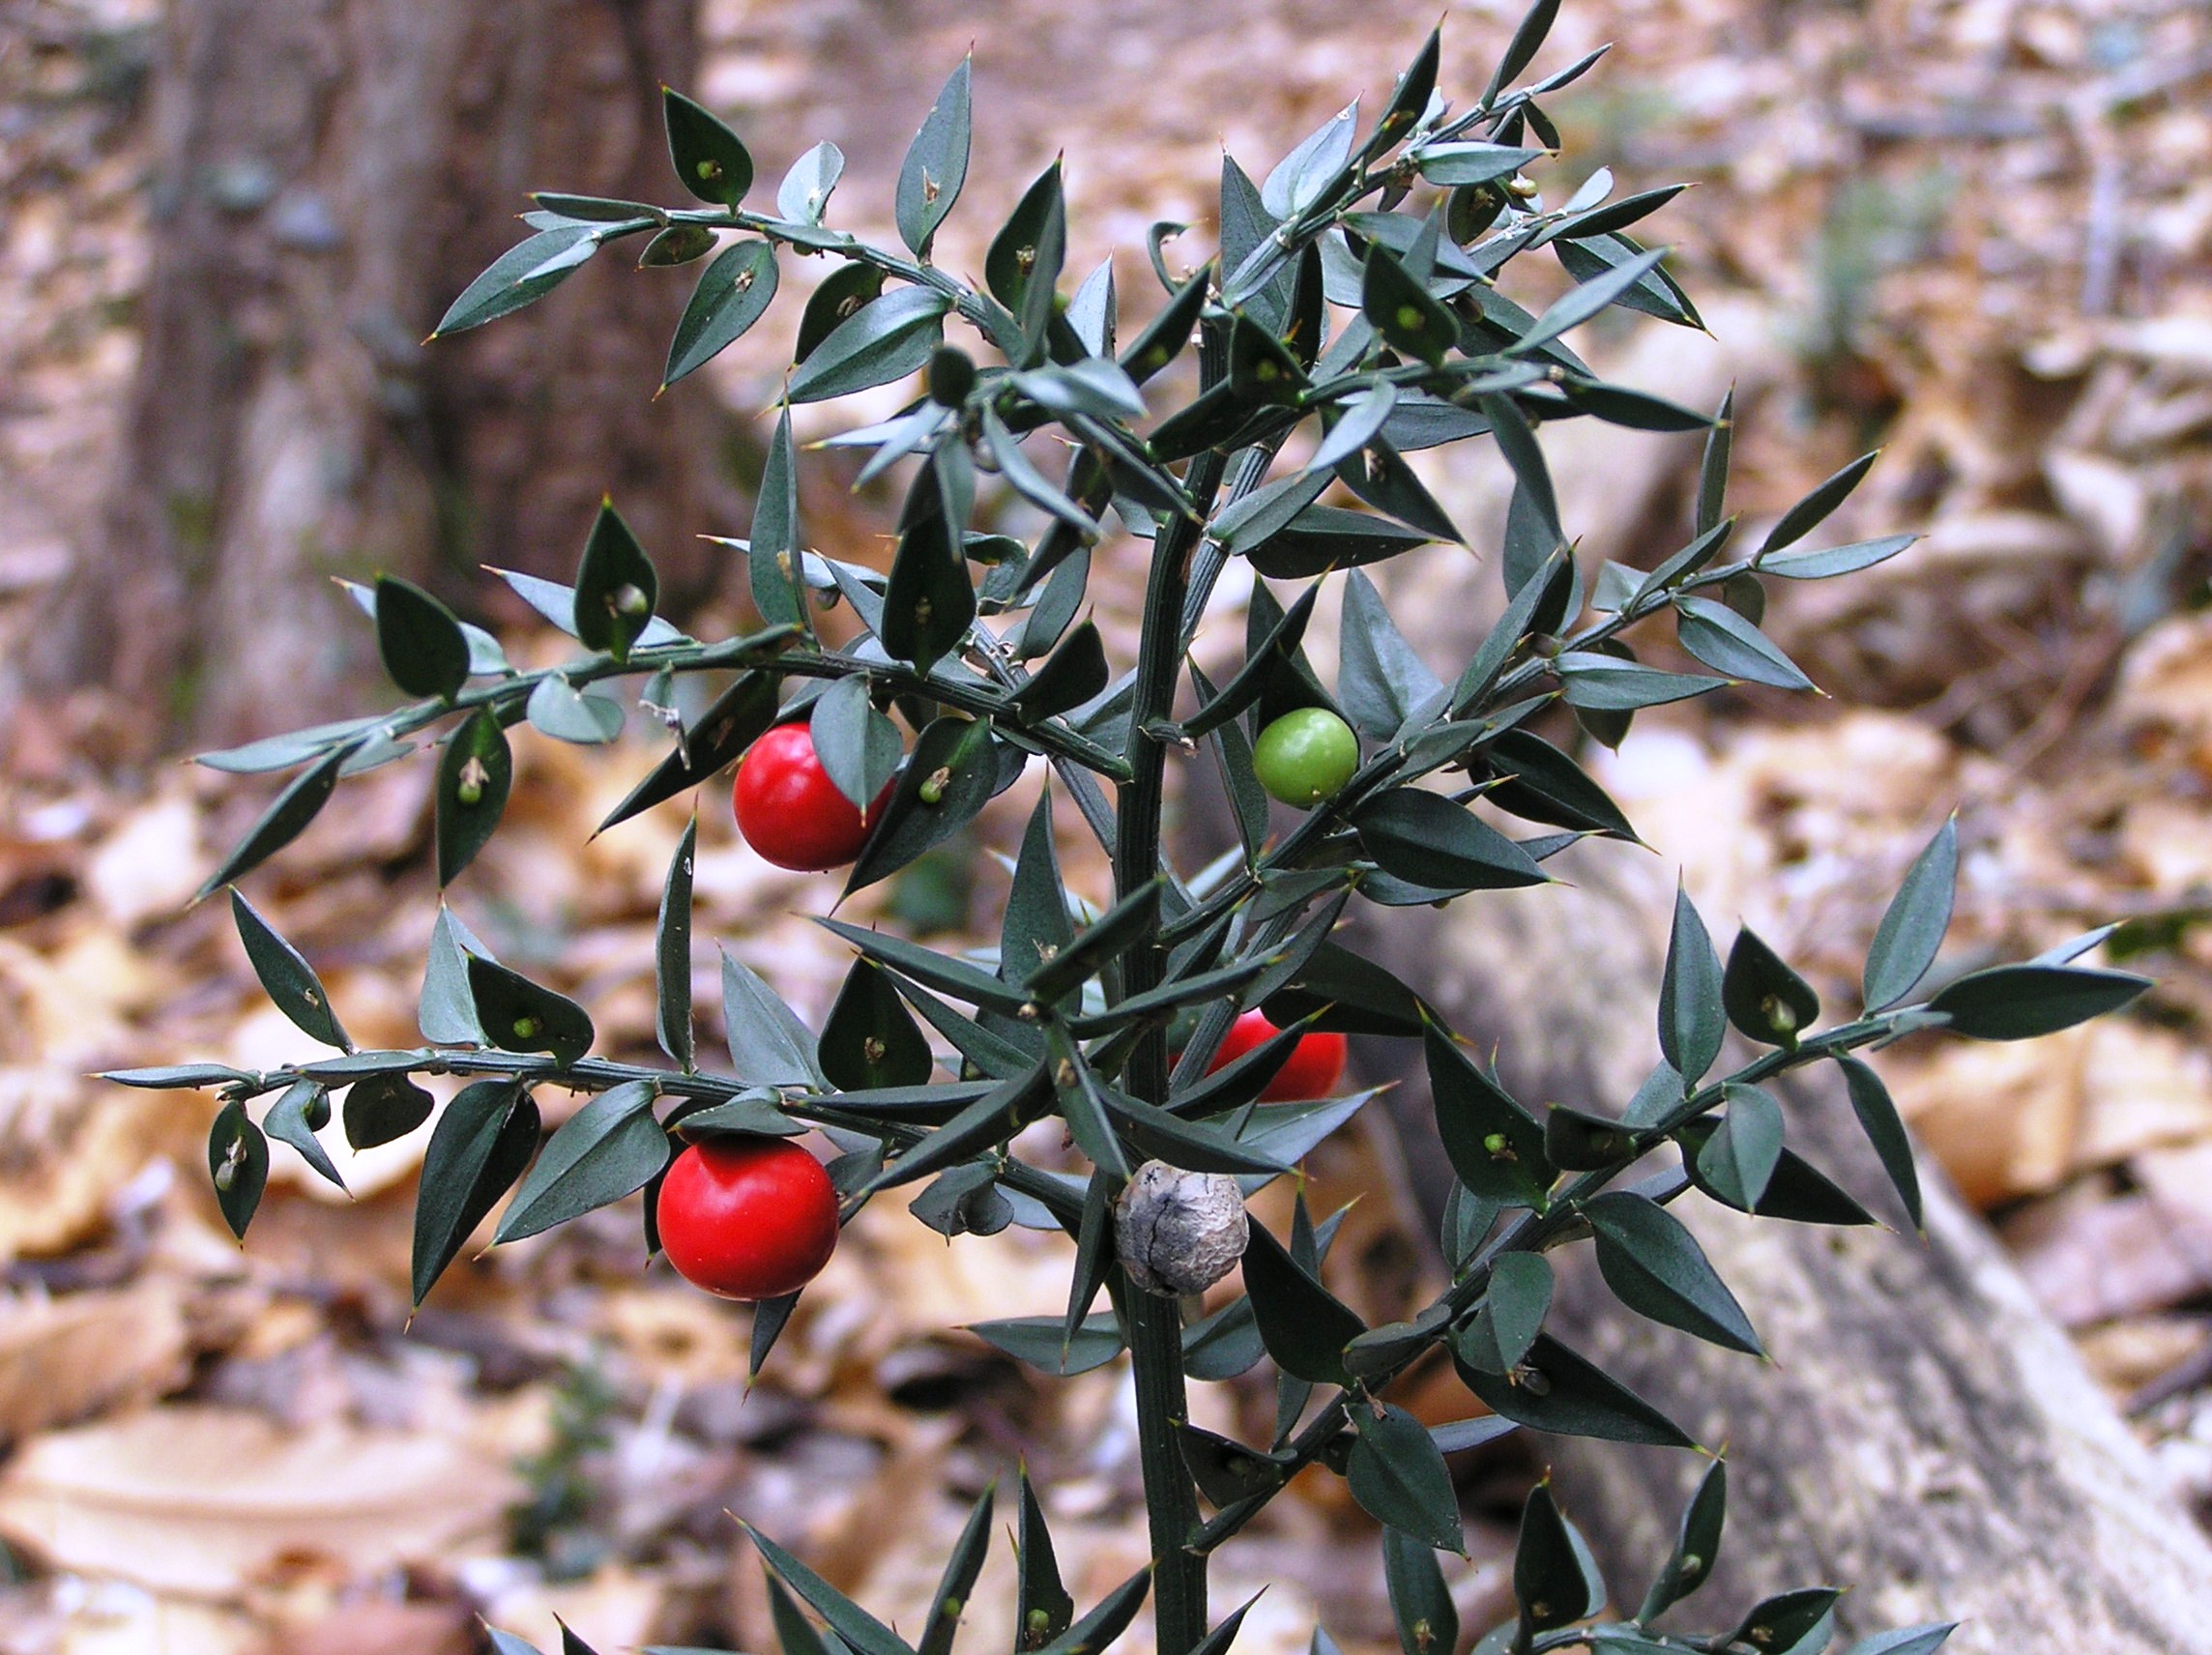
x,y
1353,314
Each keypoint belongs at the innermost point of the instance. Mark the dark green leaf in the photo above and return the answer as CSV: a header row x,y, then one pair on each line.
x,y
287,815
886,338
1461,163
804,192
929,602
1398,1475
560,709
984,1124
421,642
1493,1145
382,1108
1225,1345
1505,1328
1782,1622
1578,305
1168,332
738,717
287,978
1076,672
516,1015
1261,665
862,1630
1410,99
526,272
1019,248
1517,442
294,1118
940,971
710,161
238,1161
1042,1342
1764,999
1692,1022
678,244
475,774
1885,1130
733,294
1728,642
1380,677
1036,927
1697,1544
858,745
1043,1608
1738,1159
936,165
1835,560
1802,518
1303,1326
1607,684
953,772
447,1011
1245,224
1658,293
1548,1581
1031,483
1403,311
870,1039
1322,538
481,1144
769,1046
1558,1391
672,953
1353,995
1107,1622
609,1149
958,1580
1712,468
750,1114
1426,838
840,295
1911,930
2020,1003
1099,944
1656,1268
1420,1603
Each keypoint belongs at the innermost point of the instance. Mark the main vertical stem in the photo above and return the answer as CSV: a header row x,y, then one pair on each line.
x,y
1156,1324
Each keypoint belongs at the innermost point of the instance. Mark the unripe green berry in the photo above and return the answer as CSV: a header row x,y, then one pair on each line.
x,y
1306,756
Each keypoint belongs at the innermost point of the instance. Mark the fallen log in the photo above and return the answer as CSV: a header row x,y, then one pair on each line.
x,y
1924,1432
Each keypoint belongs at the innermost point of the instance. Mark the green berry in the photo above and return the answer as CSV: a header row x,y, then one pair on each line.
x,y
1306,756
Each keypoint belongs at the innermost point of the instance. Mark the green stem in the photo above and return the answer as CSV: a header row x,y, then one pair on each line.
x,y
1156,1325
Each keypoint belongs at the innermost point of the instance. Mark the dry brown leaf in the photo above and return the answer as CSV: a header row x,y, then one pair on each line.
x,y
2003,1120
199,1503
61,1359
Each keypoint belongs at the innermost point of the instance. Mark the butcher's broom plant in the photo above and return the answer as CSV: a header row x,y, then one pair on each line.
x,y
1355,311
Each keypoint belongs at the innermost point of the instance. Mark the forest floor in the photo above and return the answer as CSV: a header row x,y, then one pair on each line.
x,y
1976,233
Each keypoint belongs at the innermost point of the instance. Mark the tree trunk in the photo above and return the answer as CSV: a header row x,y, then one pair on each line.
x,y
1924,1430
329,175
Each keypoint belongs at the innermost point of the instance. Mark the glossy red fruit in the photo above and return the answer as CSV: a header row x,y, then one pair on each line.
x,y
747,1217
1316,1065
790,811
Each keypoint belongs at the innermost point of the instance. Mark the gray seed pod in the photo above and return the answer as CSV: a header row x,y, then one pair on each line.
x,y
1178,1232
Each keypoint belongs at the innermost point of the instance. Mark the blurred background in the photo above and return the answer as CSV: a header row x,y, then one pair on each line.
x,y
1977,233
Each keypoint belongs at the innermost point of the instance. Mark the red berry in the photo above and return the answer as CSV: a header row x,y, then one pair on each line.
x,y
1316,1065
747,1217
791,812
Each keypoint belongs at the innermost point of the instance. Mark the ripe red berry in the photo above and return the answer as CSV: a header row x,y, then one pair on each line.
x,y
791,812
1316,1065
747,1217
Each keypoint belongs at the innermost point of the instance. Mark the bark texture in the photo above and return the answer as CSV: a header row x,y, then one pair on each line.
x,y
331,174
1924,1433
